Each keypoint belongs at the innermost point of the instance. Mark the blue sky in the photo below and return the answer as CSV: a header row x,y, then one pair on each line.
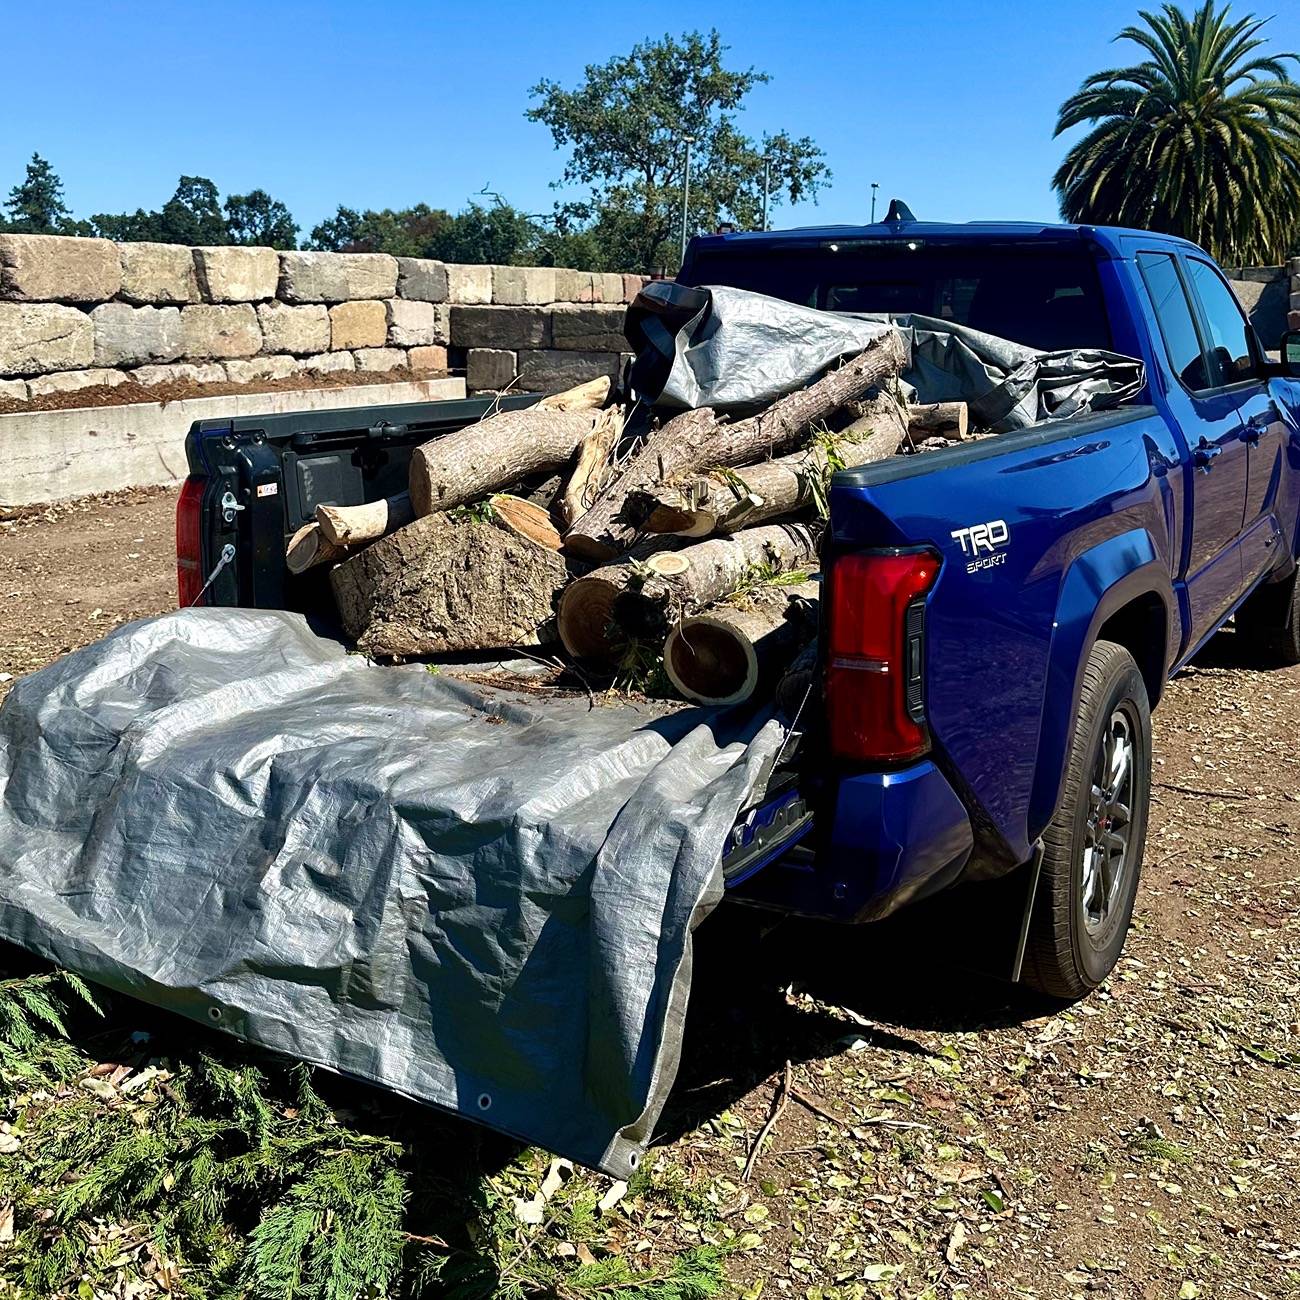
x,y
949,105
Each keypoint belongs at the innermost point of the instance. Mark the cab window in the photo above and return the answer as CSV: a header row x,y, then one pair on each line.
x,y
1231,355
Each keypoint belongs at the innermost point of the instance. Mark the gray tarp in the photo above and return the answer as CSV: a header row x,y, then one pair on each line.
x,y
733,350
478,898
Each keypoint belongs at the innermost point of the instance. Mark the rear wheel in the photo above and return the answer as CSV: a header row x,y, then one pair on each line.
x,y
1092,851
1271,620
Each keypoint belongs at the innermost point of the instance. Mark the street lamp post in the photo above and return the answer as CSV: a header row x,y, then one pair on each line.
x,y
875,185
767,185
688,140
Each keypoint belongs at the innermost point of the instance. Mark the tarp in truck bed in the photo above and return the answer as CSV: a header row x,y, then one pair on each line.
x,y
479,898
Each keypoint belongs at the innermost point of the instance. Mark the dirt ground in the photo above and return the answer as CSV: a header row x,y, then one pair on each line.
x,y
944,1137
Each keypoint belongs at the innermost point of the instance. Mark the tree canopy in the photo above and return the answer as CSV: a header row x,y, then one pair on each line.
x,y
1200,139
35,205
625,128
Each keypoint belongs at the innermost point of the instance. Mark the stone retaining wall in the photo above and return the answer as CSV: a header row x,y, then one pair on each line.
x,y
81,313
1271,297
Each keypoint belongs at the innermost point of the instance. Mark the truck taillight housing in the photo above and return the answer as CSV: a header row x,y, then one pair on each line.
x,y
189,542
875,701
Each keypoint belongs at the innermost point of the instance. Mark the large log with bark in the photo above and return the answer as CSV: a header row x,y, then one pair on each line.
x,y
641,596
726,653
727,500
493,454
698,439
443,584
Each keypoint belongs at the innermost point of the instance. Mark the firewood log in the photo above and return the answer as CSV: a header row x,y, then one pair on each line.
x,y
727,500
938,419
642,595
592,467
309,547
793,685
443,584
590,396
724,654
483,458
696,439
351,525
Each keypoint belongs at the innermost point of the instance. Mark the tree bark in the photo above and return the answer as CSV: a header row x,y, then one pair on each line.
x,y
695,439
351,525
726,501
636,599
592,467
793,685
939,419
441,584
309,547
483,458
726,653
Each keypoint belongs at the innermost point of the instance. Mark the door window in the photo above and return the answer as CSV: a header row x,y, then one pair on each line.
x,y
1174,315
1232,359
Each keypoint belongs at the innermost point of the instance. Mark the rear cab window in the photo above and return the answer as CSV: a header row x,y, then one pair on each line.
x,y
1046,297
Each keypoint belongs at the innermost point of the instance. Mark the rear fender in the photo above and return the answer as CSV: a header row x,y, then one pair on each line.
x,y
1099,584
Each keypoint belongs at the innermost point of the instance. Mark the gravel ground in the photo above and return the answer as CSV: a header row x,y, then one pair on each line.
x,y
940,1136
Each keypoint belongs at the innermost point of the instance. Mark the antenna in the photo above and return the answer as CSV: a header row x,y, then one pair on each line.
x,y
898,212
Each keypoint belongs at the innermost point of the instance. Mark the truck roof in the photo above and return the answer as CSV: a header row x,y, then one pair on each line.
x,y
1109,237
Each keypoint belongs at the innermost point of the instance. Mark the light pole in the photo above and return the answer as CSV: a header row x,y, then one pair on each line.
x,y
767,185
875,185
688,140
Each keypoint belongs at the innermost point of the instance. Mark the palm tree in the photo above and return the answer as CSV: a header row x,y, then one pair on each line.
x,y
1201,139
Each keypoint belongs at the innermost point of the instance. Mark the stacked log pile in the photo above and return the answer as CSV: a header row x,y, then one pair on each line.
x,y
695,539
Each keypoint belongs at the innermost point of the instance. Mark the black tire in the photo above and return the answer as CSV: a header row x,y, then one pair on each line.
x,y
1270,619
1078,926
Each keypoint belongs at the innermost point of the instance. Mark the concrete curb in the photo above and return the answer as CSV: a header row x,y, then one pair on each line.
x,y
52,455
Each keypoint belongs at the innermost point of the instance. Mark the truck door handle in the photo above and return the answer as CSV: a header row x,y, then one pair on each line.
x,y
1205,452
1252,435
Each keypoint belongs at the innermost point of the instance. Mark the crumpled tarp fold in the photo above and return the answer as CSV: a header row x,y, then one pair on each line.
x,y
735,351
479,898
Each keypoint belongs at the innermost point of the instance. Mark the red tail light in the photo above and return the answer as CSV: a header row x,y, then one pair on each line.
x,y
874,662
189,542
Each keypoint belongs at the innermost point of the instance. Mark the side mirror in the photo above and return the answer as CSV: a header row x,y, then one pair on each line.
x,y
1290,354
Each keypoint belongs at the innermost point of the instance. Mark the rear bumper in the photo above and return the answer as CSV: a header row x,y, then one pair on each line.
x,y
893,837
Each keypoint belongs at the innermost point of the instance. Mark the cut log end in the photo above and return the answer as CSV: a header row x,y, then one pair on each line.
x,y
709,662
525,519
585,617
309,547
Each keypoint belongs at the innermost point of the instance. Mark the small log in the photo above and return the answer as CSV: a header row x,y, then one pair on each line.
x,y
592,467
590,396
309,547
351,525
443,584
483,458
695,439
726,501
939,419
726,653
641,597
525,519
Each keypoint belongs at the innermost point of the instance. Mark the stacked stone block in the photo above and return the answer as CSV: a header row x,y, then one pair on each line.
x,y
80,313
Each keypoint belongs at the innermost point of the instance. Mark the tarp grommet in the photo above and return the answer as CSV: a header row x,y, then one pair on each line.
x,y
214,1013
484,1101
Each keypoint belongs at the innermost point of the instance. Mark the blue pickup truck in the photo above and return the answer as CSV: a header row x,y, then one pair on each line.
x,y
1000,616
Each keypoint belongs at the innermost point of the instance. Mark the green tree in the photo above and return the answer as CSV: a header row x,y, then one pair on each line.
x,y
1200,139
257,218
499,233
625,126
36,205
191,216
